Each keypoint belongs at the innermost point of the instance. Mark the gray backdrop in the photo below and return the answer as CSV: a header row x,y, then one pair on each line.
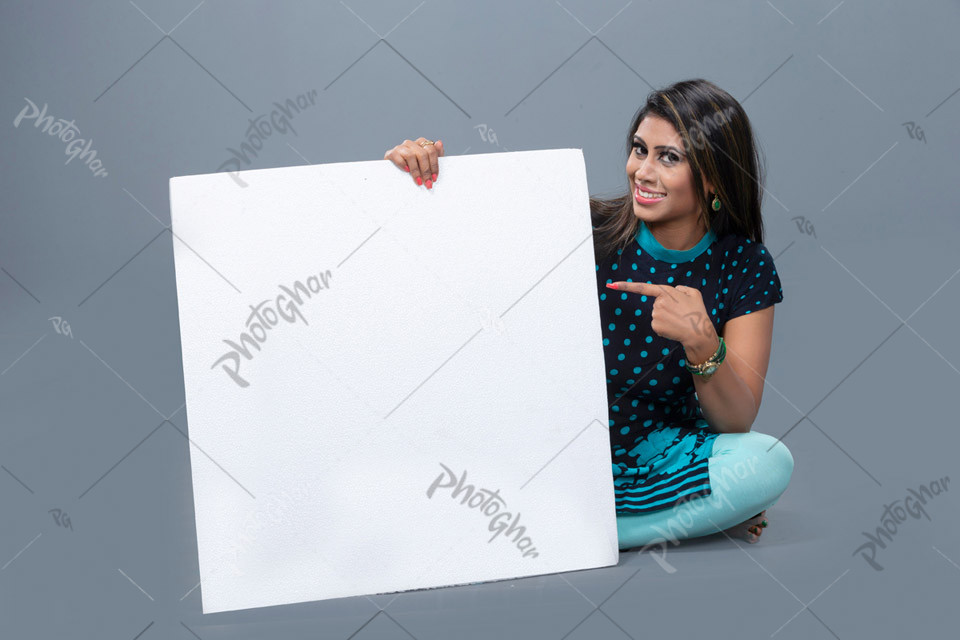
x,y
854,103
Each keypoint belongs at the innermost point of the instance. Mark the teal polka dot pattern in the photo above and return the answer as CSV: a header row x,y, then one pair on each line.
x,y
661,444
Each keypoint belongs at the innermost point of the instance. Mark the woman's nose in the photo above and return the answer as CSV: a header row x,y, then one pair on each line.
x,y
645,172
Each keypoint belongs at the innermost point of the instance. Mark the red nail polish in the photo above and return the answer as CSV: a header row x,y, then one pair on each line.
x,y
429,184
419,181
406,168
612,285
434,177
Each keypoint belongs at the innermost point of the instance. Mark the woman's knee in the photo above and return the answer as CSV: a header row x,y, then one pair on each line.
x,y
775,457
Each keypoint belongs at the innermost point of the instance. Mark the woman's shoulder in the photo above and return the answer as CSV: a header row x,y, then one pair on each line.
x,y
750,278
733,244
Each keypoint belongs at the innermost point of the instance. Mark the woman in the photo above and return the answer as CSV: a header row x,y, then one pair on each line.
x,y
686,291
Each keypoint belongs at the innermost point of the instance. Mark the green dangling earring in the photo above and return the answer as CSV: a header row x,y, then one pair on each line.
x,y
716,202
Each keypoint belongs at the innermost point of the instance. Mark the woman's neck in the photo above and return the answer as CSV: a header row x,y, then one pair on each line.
x,y
677,237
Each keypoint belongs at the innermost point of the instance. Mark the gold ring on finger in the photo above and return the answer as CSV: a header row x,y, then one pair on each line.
x,y
424,143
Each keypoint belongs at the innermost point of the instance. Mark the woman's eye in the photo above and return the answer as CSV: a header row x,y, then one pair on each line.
x,y
670,156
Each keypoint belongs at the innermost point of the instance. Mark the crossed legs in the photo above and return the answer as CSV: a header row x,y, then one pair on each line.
x,y
745,480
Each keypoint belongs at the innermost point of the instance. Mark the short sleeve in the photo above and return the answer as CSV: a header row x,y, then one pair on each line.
x,y
751,280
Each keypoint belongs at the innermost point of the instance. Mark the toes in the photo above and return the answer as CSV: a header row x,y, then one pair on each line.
x,y
751,529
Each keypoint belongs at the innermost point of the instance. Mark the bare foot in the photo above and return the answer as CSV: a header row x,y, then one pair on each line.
x,y
749,530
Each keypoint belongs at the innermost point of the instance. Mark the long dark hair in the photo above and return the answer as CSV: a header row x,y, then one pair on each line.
x,y
719,145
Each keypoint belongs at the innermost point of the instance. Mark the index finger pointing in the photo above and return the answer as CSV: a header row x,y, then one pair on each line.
x,y
645,288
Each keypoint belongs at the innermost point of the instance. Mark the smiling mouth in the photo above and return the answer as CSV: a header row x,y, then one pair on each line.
x,y
648,195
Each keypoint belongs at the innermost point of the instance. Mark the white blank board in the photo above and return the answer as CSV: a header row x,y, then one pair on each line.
x,y
392,388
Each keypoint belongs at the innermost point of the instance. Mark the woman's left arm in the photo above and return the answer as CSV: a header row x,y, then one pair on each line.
x,y
730,399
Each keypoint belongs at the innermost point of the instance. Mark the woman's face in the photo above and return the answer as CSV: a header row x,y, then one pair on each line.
x,y
658,165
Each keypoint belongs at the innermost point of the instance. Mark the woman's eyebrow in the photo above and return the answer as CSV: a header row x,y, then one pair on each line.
x,y
638,138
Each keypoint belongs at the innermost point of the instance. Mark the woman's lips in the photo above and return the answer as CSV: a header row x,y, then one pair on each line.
x,y
644,200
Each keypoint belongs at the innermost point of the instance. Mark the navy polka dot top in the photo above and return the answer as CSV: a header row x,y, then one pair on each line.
x,y
659,437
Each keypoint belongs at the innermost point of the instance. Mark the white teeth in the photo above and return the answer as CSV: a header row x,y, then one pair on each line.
x,y
647,194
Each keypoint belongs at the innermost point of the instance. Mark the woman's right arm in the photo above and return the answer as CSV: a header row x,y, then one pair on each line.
x,y
420,161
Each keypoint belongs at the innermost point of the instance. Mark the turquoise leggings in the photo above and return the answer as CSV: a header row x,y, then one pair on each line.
x,y
745,479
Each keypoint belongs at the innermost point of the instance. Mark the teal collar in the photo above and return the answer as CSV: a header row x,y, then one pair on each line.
x,y
649,244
